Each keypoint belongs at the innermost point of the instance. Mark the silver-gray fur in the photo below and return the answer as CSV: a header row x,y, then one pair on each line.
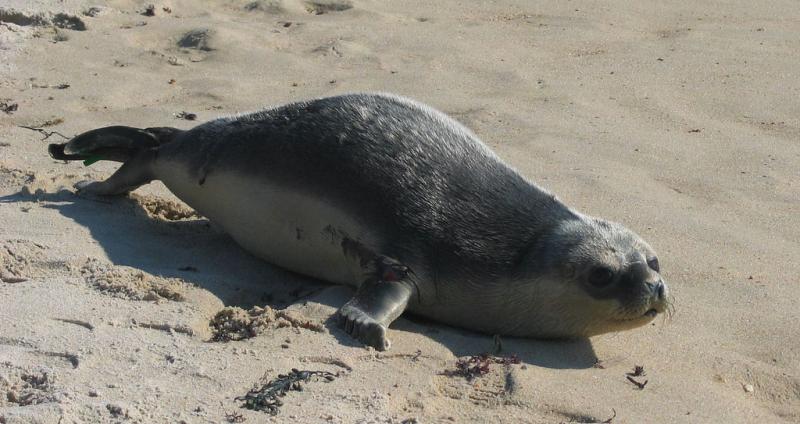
x,y
404,203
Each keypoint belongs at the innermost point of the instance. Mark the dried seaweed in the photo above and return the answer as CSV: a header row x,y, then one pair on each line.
x,y
638,371
45,133
638,384
267,397
234,417
479,365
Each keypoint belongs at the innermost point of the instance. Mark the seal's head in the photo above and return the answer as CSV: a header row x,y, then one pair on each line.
x,y
592,277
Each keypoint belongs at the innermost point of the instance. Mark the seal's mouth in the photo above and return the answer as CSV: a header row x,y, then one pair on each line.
x,y
644,318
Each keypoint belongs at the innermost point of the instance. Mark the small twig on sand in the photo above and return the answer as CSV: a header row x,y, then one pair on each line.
x,y
71,357
83,324
11,279
610,420
47,134
638,384
327,360
167,327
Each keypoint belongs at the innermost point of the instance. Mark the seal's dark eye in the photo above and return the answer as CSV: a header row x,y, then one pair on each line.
x,y
653,264
601,277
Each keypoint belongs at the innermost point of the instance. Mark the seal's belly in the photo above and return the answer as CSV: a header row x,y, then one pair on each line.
x,y
284,227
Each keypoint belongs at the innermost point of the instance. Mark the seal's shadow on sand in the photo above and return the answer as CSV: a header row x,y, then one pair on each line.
x,y
190,249
195,251
557,354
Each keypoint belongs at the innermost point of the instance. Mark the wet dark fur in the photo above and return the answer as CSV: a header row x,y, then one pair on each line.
x,y
448,199
485,248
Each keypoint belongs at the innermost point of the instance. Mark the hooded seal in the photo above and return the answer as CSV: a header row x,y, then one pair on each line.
x,y
403,203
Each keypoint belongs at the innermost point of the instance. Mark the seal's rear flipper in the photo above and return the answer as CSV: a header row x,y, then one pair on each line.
x,y
133,146
378,302
116,143
131,175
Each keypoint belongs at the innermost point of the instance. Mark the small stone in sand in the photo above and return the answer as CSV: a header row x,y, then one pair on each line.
x,y
95,11
59,37
119,410
10,279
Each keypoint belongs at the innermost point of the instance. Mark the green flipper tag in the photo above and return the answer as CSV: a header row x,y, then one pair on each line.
x,y
91,159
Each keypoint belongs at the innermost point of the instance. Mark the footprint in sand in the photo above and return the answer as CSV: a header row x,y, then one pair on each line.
x,y
673,33
493,385
321,7
196,39
21,260
266,6
24,387
14,178
129,283
761,380
316,7
23,19
59,20
163,209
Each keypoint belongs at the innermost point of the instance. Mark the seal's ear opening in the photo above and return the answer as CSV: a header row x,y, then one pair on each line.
x,y
116,143
568,270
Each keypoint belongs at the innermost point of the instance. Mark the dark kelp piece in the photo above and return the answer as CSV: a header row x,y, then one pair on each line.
x,y
267,397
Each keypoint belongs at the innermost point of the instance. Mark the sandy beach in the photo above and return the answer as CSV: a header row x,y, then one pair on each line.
x,y
679,119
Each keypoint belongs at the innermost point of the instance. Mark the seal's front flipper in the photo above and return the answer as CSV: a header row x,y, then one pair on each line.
x,y
378,302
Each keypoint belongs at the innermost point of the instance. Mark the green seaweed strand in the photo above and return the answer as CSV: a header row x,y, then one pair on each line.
x,y
91,159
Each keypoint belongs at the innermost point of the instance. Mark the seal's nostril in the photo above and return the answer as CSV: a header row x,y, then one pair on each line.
x,y
660,290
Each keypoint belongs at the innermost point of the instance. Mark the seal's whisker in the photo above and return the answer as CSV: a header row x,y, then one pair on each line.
x,y
670,312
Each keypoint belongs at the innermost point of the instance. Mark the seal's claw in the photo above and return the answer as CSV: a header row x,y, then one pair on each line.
x,y
374,334
376,304
88,188
85,186
360,326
